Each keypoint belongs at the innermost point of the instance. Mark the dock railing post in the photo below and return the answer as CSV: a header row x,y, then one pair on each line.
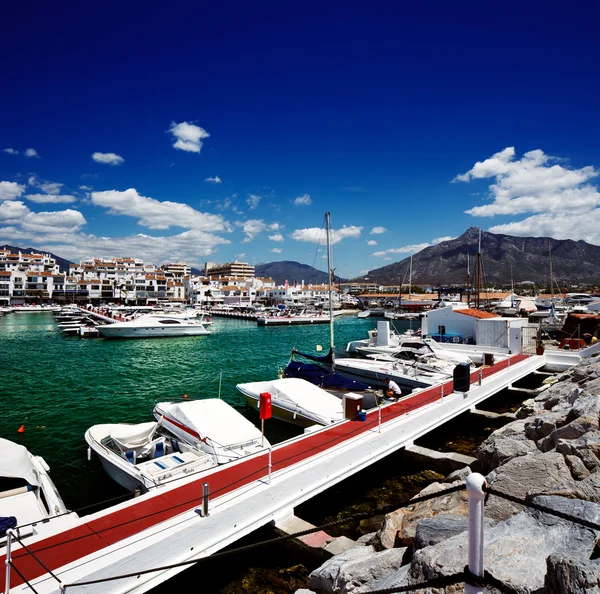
x,y
8,560
270,465
479,377
379,418
205,500
475,483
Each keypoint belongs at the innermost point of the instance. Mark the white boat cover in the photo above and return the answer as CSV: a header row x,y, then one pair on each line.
x,y
298,392
213,419
15,462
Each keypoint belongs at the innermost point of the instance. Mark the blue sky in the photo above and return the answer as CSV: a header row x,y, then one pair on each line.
x,y
198,132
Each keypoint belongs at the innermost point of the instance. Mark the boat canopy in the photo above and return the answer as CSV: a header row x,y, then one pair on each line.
x,y
212,419
15,462
296,392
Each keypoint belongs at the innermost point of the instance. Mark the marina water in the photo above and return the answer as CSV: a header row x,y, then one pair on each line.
x,y
57,386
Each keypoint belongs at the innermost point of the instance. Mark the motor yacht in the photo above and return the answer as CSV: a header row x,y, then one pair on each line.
x,y
156,325
296,401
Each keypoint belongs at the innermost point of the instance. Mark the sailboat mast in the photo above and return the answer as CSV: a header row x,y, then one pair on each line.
x,y
410,277
468,283
478,273
551,279
330,277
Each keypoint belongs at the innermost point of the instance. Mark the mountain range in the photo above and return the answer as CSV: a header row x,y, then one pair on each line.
x,y
503,258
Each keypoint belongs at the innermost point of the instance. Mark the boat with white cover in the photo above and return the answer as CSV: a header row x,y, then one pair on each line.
x,y
296,401
155,326
28,497
213,426
143,456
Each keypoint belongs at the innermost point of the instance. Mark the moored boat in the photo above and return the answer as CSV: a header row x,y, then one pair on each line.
x,y
154,325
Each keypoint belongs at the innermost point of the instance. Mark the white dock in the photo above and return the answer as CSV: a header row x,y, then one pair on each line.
x,y
165,527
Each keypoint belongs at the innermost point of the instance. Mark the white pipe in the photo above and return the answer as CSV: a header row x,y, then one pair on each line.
x,y
270,449
9,534
16,491
475,483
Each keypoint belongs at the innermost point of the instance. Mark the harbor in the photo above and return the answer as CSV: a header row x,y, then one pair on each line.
x,y
286,480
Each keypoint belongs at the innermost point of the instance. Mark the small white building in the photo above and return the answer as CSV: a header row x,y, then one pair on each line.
x,y
473,326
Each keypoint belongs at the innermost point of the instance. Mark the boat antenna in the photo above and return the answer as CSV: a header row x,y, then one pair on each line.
x,y
220,380
551,281
330,276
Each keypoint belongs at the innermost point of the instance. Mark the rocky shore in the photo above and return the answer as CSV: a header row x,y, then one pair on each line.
x,y
550,455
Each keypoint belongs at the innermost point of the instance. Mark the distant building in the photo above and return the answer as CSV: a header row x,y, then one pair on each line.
x,y
237,269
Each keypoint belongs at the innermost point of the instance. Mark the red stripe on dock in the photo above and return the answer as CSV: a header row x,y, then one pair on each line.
x,y
61,549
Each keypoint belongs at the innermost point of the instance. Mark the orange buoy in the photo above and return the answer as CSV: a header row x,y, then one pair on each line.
x,y
185,395
21,429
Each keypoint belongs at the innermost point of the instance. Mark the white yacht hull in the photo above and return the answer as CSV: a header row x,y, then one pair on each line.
x,y
110,331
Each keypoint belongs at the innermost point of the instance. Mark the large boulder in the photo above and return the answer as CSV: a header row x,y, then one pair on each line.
x,y
570,575
587,407
587,447
355,570
401,526
544,424
504,444
573,430
526,475
430,531
516,549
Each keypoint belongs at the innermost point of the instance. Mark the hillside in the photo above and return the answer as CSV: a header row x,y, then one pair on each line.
x,y
503,256
62,263
292,272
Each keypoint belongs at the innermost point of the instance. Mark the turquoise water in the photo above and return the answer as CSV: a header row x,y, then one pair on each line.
x,y
58,386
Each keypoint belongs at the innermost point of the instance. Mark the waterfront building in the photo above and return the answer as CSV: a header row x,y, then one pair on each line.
x,y
241,269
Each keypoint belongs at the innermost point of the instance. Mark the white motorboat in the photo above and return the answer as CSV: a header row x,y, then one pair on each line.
x,y
296,401
154,325
28,497
383,339
408,375
213,426
143,456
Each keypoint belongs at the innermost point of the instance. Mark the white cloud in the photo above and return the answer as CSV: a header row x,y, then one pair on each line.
x,y
559,200
31,153
51,187
188,136
11,151
303,200
276,250
318,235
253,201
10,190
371,242
51,198
441,239
108,158
407,249
155,214
378,230
213,180
276,237
12,211
86,188
254,227
49,222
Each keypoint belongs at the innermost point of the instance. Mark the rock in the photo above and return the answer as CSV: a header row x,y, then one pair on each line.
x,y
577,467
566,400
401,525
304,591
569,575
499,449
366,539
357,569
587,447
515,549
529,408
430,531
530,474
395,579
544,424
586,490
458,475
572,430
587,407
